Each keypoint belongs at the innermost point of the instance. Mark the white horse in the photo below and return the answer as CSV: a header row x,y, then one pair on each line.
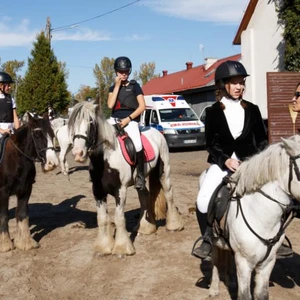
x,y
60,129
65,144
256,216
58,123
110,173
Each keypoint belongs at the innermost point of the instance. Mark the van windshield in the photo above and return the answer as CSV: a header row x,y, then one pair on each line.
x,y
177,114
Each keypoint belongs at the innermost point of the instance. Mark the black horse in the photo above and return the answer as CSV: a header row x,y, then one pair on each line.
x,y
31,143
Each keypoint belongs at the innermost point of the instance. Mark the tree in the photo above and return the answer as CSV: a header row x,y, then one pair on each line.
x,y
104,74
12,67
288,13
146,73
44,81
85,92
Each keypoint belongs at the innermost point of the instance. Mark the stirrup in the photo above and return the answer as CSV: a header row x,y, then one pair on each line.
x,y
203,239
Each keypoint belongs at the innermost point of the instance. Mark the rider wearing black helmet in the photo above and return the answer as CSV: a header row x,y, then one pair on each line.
x,y
234,130
8,114
126,99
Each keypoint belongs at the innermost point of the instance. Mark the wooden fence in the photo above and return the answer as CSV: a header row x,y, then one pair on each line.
x,y
280,91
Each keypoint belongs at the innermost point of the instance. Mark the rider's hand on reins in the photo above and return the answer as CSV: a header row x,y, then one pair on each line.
x,y
232,164
124,122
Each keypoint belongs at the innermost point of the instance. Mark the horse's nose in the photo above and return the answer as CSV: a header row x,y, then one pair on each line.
x,y
49,166
79,156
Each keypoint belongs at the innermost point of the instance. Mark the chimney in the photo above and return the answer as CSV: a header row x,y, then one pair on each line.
x,y
165,73
209,61
189,65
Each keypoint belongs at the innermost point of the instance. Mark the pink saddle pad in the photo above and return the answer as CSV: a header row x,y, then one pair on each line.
x,y
147,147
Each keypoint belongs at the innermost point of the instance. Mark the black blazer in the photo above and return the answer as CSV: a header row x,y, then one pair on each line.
x,y
221,144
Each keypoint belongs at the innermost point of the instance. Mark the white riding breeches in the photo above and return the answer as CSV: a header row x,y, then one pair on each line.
x,y
208,182
6,126
133,132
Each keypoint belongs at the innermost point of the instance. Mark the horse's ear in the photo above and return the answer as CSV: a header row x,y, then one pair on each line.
x,y
31,120
97,108
45,116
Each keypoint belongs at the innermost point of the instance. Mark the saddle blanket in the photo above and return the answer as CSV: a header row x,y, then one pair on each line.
x,y
147,147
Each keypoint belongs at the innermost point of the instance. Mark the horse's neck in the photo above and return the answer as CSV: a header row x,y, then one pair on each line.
x,y
261,207
21,139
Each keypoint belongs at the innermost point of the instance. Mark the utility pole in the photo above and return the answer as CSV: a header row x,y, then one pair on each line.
x,y
48,30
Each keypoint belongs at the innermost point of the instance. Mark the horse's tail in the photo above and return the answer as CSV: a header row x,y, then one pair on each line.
x,y
157,197
159,182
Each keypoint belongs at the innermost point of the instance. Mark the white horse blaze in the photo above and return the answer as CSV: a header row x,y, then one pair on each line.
x,y
51,158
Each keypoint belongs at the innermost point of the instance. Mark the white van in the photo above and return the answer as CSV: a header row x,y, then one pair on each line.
x,y
175,119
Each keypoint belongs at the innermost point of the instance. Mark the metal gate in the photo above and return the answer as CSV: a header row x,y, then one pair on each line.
x,y
280,91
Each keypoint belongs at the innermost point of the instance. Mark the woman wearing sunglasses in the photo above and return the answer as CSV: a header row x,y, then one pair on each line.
x,y
296,99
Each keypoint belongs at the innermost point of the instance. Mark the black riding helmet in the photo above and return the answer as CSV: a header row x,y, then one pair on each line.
x,y
123,63
5,78
229,69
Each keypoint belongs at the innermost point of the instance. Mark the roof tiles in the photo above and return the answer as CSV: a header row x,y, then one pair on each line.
x,y
190,78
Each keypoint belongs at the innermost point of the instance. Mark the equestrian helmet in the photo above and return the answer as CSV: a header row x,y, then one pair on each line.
x,y
229,69
5,78
123,63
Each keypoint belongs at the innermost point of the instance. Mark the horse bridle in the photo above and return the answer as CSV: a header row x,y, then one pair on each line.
x,y
37,150
287,208
296,169
90,142
84,137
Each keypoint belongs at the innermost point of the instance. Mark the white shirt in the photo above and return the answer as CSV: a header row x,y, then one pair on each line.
x,y
235,116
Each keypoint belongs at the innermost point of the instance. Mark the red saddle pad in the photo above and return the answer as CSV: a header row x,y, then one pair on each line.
x,y
147,147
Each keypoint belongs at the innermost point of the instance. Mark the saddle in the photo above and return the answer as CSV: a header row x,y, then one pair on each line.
x,y
128,149
3,141
219,202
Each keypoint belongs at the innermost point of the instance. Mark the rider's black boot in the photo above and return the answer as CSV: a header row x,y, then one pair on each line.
x,y
204,250
140,177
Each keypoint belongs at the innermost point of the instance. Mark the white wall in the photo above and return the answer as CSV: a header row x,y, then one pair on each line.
x,y
259,48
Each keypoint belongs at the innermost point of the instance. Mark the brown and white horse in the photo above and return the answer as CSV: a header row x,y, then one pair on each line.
x,y
94,137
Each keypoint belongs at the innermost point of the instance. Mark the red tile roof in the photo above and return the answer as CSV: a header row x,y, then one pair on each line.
x,y
190,78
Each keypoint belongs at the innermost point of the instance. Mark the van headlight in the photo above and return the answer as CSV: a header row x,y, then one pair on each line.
x,y
170,131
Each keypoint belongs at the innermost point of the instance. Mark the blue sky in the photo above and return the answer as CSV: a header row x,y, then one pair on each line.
x,y
168,32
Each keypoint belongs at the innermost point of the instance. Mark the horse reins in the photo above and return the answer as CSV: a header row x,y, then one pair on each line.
x,y
38,151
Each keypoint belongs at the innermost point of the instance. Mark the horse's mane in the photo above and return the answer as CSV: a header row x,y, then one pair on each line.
x,y
87,112
260,169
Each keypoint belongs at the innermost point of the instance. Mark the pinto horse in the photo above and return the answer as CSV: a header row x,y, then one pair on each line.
x,y
19,151
110,173
264,190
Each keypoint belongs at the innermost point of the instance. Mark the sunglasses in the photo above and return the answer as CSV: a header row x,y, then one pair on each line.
x,y
297,94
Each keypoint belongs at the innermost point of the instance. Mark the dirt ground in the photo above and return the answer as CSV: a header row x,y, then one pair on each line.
x,y
63,221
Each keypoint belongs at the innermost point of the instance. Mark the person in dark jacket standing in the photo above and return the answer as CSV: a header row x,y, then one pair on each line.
x,y
234,131
126,99
8,111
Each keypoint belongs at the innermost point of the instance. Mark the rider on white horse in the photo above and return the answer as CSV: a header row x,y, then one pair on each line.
x,y
234,130
127,102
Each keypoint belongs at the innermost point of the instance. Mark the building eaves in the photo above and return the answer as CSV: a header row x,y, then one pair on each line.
x,y
245,21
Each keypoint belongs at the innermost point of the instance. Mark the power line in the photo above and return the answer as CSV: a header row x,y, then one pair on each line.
x,y
87,20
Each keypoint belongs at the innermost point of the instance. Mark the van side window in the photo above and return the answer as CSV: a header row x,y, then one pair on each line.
x,y
154,118
147,117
